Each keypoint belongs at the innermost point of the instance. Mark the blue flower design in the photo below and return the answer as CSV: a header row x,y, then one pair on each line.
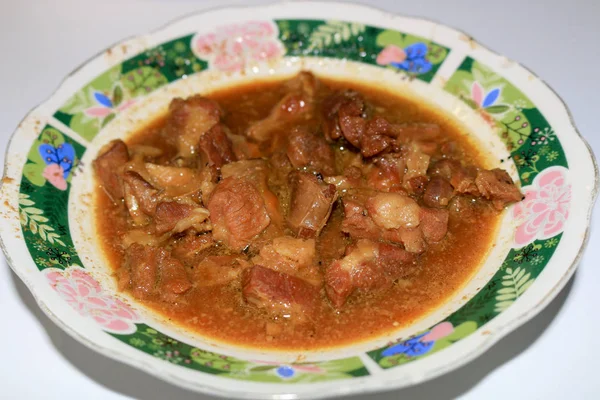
x,y
285,371
103,99
412,347
63,155
491,97
415,61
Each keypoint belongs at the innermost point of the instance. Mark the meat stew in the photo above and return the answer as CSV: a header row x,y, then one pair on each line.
x,y
298,214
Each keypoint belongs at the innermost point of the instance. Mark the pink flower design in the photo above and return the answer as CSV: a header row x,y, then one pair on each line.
x,y
54,173
391,54
545,210
86,296
231,47
105,106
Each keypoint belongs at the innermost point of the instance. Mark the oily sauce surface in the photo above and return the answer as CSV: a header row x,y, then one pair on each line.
x,y
219,312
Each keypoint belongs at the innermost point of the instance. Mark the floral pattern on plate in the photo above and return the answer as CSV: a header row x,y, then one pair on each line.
x,y
85,295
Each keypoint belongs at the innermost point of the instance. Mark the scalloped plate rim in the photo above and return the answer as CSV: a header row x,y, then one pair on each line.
x,y
385,379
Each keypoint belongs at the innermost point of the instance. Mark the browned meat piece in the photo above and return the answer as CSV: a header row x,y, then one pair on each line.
x,y
292,256
140,197
297,103
387,173
280,167
217,270
393,211
438,193
304,82
279,294
215,148
496,185
373,145
462,179
378,137
351,179
151,272
344,114
411,238
344,109
417,164
256,172
417,185
237,212
243,148
367,266
140,271
332,242
173,278
306,149
362,208
311,204
189,248
357,222
189,119
177,217
434,224
108,165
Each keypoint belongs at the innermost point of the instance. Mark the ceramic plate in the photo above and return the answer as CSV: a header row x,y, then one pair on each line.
x,y
48,235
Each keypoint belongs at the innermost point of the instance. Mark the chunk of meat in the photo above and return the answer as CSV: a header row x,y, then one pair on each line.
x,y
417,164
140,271
150,272
174,181
174,280
279,294
215,148
175,217
351,179
461,178
411,238
359,224
387,173
343,109
295,105
280,167
345,115
434,224
188,120
438,193
417,185
108,165
332,242
378,137
165,176
140,198
367,266
217,270
306,149
496,185
292,256
304,82
256,172
189,248
393,210
237,212
243,148
311,204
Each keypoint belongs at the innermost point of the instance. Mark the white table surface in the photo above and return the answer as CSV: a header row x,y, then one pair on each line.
x,y
554,356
